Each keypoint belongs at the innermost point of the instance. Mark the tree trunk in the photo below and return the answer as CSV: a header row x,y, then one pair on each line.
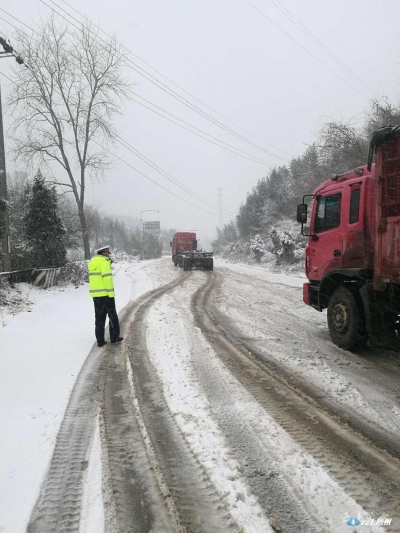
x,y
85,232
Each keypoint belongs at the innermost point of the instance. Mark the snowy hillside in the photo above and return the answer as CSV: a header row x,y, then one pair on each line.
x,y
280,248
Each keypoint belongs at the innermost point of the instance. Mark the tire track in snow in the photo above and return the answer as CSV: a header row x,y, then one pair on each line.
x,y
386,416
365,410
194,496
288,300
370,476
169,352
257,467
135,500
58,506
133,496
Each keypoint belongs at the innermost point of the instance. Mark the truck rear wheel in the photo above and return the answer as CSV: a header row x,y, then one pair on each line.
x,y
346,321
211,264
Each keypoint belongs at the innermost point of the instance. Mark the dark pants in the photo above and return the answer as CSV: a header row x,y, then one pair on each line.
x,y
103,306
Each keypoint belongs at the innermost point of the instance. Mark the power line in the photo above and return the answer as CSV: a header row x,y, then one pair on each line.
x,y
319,43
138,171
234,150
168,176
148,161
179,87
303,47
139,70
20,21
227,146
150,179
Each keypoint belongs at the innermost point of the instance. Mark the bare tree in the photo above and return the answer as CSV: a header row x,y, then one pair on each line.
x,y
64,103
381,113
343,145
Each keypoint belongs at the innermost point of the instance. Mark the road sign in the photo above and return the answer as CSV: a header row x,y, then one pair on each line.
x,y
151,225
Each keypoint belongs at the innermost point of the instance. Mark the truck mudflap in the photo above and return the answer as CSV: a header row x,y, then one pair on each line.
x,y
306,293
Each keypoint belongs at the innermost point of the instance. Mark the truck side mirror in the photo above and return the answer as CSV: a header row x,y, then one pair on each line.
x,y
170,244
302,213
195,245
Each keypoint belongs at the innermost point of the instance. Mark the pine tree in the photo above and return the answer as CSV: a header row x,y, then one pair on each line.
x,y
19,192
151,247
44,226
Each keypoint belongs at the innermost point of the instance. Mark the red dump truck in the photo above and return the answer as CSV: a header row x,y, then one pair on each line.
x,y
186,255
352,258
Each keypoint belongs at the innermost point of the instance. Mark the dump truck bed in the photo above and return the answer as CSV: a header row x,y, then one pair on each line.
x,y
387,234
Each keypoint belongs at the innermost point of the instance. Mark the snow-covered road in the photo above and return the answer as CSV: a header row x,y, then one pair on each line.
x,y
363,388
227,408
41,354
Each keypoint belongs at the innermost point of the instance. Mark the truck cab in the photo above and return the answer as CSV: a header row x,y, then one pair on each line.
x,y
341,227
352,258
182,242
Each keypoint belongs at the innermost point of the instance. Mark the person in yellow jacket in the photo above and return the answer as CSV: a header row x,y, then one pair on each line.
x,y
101,289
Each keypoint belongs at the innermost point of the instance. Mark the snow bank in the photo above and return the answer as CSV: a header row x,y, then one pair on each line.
x,y
42,352
279,248
257,271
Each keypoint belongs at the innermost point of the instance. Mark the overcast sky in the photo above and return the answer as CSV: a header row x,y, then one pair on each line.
x,y
237,61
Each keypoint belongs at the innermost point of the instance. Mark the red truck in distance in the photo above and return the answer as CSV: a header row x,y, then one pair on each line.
x,y
182,242
352,258
186,255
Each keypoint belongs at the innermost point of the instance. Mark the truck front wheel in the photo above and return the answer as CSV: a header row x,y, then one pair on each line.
x,y
346,321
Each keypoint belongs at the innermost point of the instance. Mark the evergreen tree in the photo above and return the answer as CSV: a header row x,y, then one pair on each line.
x,y
228,234
151,247
19,193
44,227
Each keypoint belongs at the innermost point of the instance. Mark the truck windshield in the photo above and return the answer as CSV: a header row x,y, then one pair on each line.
x,y
327,215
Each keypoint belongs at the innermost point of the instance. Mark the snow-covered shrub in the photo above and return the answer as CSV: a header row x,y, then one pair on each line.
x,y
280,245
74,274
286,242
235,251
12,299
75,254
268,257
299,254
122,256
258,246
2,292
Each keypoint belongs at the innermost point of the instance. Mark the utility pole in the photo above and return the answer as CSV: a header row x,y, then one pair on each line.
x,y
5,241
5,250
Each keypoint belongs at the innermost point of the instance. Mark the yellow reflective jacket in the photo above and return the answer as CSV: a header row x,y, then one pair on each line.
x,y
100,277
